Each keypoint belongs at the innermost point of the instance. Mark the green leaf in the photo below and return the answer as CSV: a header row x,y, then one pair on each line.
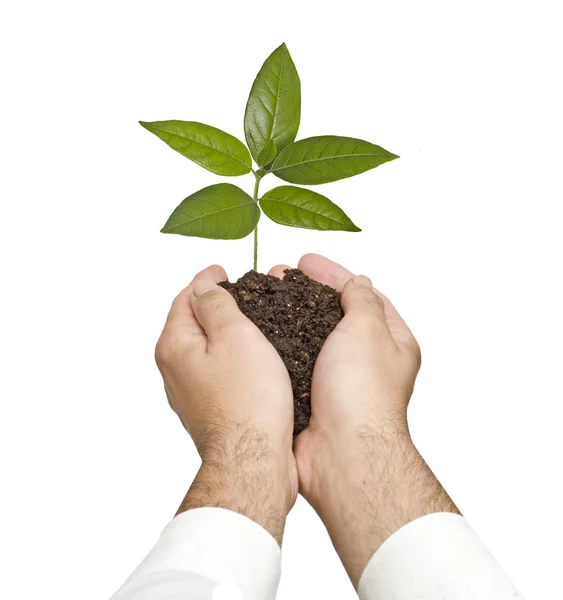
x,y
327,158
273,109
221,212
207,146
298,207
267,154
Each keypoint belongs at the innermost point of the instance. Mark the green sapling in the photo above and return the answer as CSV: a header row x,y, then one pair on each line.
x,y
271,121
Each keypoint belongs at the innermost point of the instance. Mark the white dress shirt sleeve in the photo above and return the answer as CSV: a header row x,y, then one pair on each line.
x,y
208,554
435,557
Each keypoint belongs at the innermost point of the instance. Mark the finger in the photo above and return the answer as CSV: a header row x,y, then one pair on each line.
x,y
330,273
181,317
400,331
325,271
364,309
215,310
278,271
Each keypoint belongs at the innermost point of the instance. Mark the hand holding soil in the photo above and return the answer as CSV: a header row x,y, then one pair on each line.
x,y
233,395
229,368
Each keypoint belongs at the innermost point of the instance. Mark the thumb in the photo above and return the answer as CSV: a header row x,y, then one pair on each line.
x,y
214,308
364,309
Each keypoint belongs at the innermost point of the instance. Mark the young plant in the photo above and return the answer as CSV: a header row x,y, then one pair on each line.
x,y
271,121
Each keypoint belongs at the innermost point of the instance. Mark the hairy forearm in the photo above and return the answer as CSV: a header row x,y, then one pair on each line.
x,y
247,477
385,485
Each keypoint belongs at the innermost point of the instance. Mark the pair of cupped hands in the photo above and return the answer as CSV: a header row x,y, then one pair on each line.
x,y
233,394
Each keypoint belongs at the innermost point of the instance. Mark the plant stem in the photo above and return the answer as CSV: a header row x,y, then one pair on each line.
x,y
256,248
256,186
255,197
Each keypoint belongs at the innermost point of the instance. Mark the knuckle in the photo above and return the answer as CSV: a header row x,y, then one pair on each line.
x,y
411,353
162,352
372,314
416,353
380,300
212,300
219,307
374,301
168,349
234,327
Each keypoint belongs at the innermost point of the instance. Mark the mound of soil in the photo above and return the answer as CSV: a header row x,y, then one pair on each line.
x,y
296,314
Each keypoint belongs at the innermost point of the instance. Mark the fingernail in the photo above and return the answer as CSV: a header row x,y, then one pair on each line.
x,y
363,281
203,286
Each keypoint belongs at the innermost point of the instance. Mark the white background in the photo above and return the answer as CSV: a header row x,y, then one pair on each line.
x,y
463,233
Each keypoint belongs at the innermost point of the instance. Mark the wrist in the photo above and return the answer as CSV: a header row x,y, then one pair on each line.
x,y
367,492
249,477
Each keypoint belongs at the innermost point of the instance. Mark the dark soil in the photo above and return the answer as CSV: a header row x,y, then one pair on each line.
x,y
296,314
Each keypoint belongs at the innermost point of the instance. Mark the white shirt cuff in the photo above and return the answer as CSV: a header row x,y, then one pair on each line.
x,y
220,545
436,556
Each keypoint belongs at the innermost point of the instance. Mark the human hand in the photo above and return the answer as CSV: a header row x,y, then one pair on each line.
x,y
357,464
231,391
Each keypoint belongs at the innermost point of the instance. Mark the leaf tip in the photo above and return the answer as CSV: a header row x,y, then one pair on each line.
x,y
283,48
